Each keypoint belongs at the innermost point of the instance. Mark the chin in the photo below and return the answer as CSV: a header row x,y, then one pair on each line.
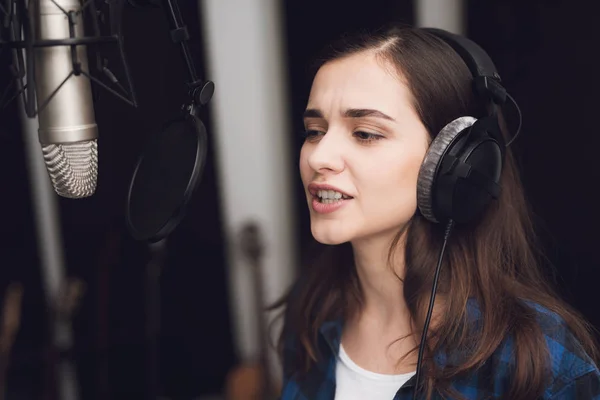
x,y
331,241
329,235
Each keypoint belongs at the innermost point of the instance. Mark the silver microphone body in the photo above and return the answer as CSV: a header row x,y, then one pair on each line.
x,y
67,125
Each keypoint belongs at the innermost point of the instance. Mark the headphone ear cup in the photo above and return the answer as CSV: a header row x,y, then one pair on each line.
x,y
431,163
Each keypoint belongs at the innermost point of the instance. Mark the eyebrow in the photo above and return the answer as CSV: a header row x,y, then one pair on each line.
x,y
350,113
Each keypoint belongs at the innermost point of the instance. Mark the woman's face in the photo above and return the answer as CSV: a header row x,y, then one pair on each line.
x,y
365,144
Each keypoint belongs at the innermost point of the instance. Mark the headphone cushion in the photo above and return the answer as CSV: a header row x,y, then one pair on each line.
x,y
429,167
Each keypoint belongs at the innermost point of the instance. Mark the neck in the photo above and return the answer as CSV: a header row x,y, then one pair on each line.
x,y
381,282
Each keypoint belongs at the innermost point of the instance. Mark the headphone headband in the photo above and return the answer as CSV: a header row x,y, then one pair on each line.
x,y
486,79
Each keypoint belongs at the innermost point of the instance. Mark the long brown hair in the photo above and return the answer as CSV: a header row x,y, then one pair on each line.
x,y
494,260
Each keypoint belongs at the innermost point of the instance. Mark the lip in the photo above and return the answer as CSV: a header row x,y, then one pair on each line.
x,y
327,208
313,188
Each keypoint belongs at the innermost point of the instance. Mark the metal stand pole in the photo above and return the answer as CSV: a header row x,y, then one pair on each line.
x,y
445,14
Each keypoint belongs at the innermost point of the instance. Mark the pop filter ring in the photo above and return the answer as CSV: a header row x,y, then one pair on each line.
x,y
179,211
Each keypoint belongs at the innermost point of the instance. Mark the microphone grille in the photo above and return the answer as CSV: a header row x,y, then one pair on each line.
x,y
73,167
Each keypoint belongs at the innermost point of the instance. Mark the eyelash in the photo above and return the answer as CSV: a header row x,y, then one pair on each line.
x,y
370,137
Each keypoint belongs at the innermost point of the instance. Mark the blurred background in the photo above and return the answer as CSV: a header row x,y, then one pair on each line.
x,y
257,52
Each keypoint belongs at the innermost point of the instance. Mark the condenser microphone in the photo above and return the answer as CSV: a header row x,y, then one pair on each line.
x,y
67,127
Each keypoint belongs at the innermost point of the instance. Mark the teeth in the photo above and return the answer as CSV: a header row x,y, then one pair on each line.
x,y
328,201
330,195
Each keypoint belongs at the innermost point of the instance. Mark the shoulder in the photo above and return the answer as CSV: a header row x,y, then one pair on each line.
x,y
573,373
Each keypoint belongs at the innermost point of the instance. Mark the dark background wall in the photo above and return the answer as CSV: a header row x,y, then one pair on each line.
x,y
545,51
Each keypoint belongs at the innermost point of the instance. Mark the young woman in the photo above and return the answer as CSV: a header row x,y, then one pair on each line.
x,y
353,321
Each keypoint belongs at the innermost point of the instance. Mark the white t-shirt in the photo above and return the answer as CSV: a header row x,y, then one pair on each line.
x,y
356,383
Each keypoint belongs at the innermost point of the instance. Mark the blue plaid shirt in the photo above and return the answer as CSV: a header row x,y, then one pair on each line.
x,y
575,376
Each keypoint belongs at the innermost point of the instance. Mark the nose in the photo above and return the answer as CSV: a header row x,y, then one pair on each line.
x,y
326,154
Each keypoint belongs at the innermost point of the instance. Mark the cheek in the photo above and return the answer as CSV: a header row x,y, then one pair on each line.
x,y
393,181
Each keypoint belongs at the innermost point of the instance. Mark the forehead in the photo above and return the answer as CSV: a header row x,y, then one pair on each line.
x,y
359,81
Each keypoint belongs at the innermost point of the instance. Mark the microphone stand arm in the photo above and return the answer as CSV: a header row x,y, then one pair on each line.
x,y
200,91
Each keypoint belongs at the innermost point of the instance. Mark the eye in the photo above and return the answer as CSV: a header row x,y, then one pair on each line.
x,y
367,137
311,134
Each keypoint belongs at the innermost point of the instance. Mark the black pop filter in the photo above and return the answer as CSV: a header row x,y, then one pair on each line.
x,y
166,174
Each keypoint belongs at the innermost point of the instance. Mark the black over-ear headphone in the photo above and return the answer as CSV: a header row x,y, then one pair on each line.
x,y
461,172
